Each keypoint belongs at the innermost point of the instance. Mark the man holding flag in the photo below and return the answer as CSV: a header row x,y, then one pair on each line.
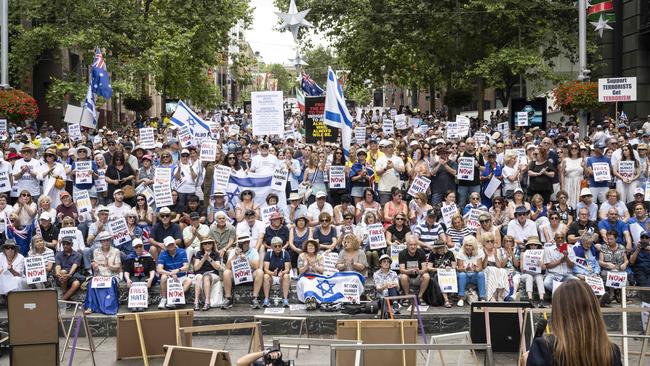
x,y
336,112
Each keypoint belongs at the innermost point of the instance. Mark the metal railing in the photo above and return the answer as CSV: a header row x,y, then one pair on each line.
x,y
488,360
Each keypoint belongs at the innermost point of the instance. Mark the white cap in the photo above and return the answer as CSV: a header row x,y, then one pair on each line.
x,y
321,194
45,216
137,241
185,151
639,191
168,240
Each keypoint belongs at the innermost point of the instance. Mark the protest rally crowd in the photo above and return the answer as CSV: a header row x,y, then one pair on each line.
x,y
452,212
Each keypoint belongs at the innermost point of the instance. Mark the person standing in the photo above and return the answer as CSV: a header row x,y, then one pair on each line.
x,y
388,167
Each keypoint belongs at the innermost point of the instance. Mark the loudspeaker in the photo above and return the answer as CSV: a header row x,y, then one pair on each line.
x,y
504,324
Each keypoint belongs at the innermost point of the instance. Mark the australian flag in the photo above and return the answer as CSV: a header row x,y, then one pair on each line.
x,y
309,86
99,80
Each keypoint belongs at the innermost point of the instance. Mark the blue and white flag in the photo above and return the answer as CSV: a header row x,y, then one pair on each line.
x,y
185,116
339,287
259,184
623,116
89,108
336,112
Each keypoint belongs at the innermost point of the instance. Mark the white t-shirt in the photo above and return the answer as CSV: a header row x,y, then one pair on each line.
x,y
313,211
5,171
390,178
254,231
26,180
186,184
264,165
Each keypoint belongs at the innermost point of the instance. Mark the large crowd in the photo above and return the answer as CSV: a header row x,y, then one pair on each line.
x,y
542,206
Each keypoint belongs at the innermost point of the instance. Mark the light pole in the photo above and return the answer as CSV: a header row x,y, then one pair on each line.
x,y
583,74
4,59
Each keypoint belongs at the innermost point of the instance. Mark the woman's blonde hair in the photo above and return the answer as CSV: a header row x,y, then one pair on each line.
x,y
457,217
355,245
487,236
578,326
43,198
471,242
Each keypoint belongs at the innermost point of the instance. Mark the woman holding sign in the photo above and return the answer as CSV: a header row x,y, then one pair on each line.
x,y
627,172
612,259
395,206
531,262
102,296
12,268
52,174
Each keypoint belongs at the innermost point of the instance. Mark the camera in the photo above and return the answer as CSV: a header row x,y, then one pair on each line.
x,y
644,245
268,359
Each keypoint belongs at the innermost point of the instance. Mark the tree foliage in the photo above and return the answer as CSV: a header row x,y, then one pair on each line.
x,y
284,78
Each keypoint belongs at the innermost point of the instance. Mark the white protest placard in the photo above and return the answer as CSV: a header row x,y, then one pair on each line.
x,y
626,168
267,112
83,172
119,231
68,232
376,236
266,212
532,260
74,131
601,172
502,127
100,182
101,282
138,295
616,279
5,184
208,150
35,270
147,192
400,122
175,293
162,194
274,311
329,263
394,255
220,177
241,271
447,280
465,168
463,125
617,89
480,137
215,127
185,136
471,218
279,178
82,200
393,113
234,129
492,187
448,212
388,127
337,177
420,184
522,119
74,114
522,158
352,290
297,307
596,284
452,130
360,135
162,176
147,138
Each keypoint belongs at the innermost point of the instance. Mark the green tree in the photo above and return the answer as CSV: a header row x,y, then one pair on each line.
x,y
285,79
318,59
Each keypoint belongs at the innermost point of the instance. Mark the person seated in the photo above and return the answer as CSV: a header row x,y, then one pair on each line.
x,y
470,269
386,280
194,234
276,228
40,250
13,264
612,259
277,269
413,267
223,233
106,263
194,206
207,264
559,261
68,269
640,262
172,263
139,267
49,232
613,222
246,251
316,209
441,257
352,258
528,276
162,229
580,226
310,260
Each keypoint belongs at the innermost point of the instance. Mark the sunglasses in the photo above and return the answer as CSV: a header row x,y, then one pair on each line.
x,y
484,221
475,198
277,246
140,199
489,241
348,218
208,243
325,220
27,195
399,219
164,216
521,214
555,218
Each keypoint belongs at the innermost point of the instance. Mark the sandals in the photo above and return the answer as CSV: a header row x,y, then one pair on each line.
x,y
88,311
447,304
206,307
197,307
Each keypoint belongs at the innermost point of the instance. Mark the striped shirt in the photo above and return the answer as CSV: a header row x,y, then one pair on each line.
x,y
427,234
457,236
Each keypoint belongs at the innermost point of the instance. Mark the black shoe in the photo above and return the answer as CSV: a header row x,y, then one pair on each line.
x,y
169,306
227,304
605,300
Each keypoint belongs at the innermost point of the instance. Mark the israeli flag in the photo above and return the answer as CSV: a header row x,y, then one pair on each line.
x,y
259,184
185,116
336,112
89,106
339,287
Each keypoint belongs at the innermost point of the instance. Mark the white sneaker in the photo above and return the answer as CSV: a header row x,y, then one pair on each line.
x,y
163,302
461,303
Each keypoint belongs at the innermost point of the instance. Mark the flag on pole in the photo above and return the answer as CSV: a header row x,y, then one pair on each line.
x,y
99,77
336,111
89,106
184,115
309,86
300,97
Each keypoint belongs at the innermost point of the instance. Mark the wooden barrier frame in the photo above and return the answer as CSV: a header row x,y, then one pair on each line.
x,y
213,353
303,325
68,332
435,340
255,344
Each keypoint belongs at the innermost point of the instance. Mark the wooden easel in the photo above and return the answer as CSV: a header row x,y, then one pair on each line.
x,y
68,332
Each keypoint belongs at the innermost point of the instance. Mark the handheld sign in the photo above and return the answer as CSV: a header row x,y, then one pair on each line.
x,y
616,279
119,231
447,280
376,236
175,293
35,270
471,218
394,255
420,184
480,137
387,127
83,172
220,177
162,195
522,119
74,131
617,89
465,168
626,168
448,211
208,150
3,127
138,295
596,284
241,270
329,263
400,122
101,282
279,179
185,136
147,138
337,177
266,212
360,135
147,192
162,176
532,260
82,200
601,172
100,182
352,291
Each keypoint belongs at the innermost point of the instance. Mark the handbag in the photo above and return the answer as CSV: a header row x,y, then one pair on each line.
x,y
128,190
308,189
59,183
216,294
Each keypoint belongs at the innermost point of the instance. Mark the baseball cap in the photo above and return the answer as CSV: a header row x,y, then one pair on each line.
x,y
168,241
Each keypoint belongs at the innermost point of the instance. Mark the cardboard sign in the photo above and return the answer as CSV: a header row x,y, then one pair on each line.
x,y
617,89
447,280
100,182
522,119
465,169
360,135
266,212
420,184
208,151
185,136
532,260
35,270
400,122
471,218
376,236
162,176
147,192
241,271
337,177
147,138
74,131
601,172
267,113
480,137
119,231
279,179
626,168
82,200
274,311
352,291
448,211
101,282
138,295
83,172
220,177
162,194
175,293
329,263
394,255
596,284
616,279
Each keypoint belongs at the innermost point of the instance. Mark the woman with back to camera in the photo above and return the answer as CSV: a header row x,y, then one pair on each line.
x,y
578,335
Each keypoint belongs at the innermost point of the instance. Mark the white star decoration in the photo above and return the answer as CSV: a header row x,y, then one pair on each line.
x,y
601,25
294,19
298,60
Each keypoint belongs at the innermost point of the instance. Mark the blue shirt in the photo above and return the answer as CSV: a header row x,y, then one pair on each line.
x,y
620,227
171,263
277,261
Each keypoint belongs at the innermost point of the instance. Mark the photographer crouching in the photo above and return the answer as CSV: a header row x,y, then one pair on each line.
x,y
270,357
